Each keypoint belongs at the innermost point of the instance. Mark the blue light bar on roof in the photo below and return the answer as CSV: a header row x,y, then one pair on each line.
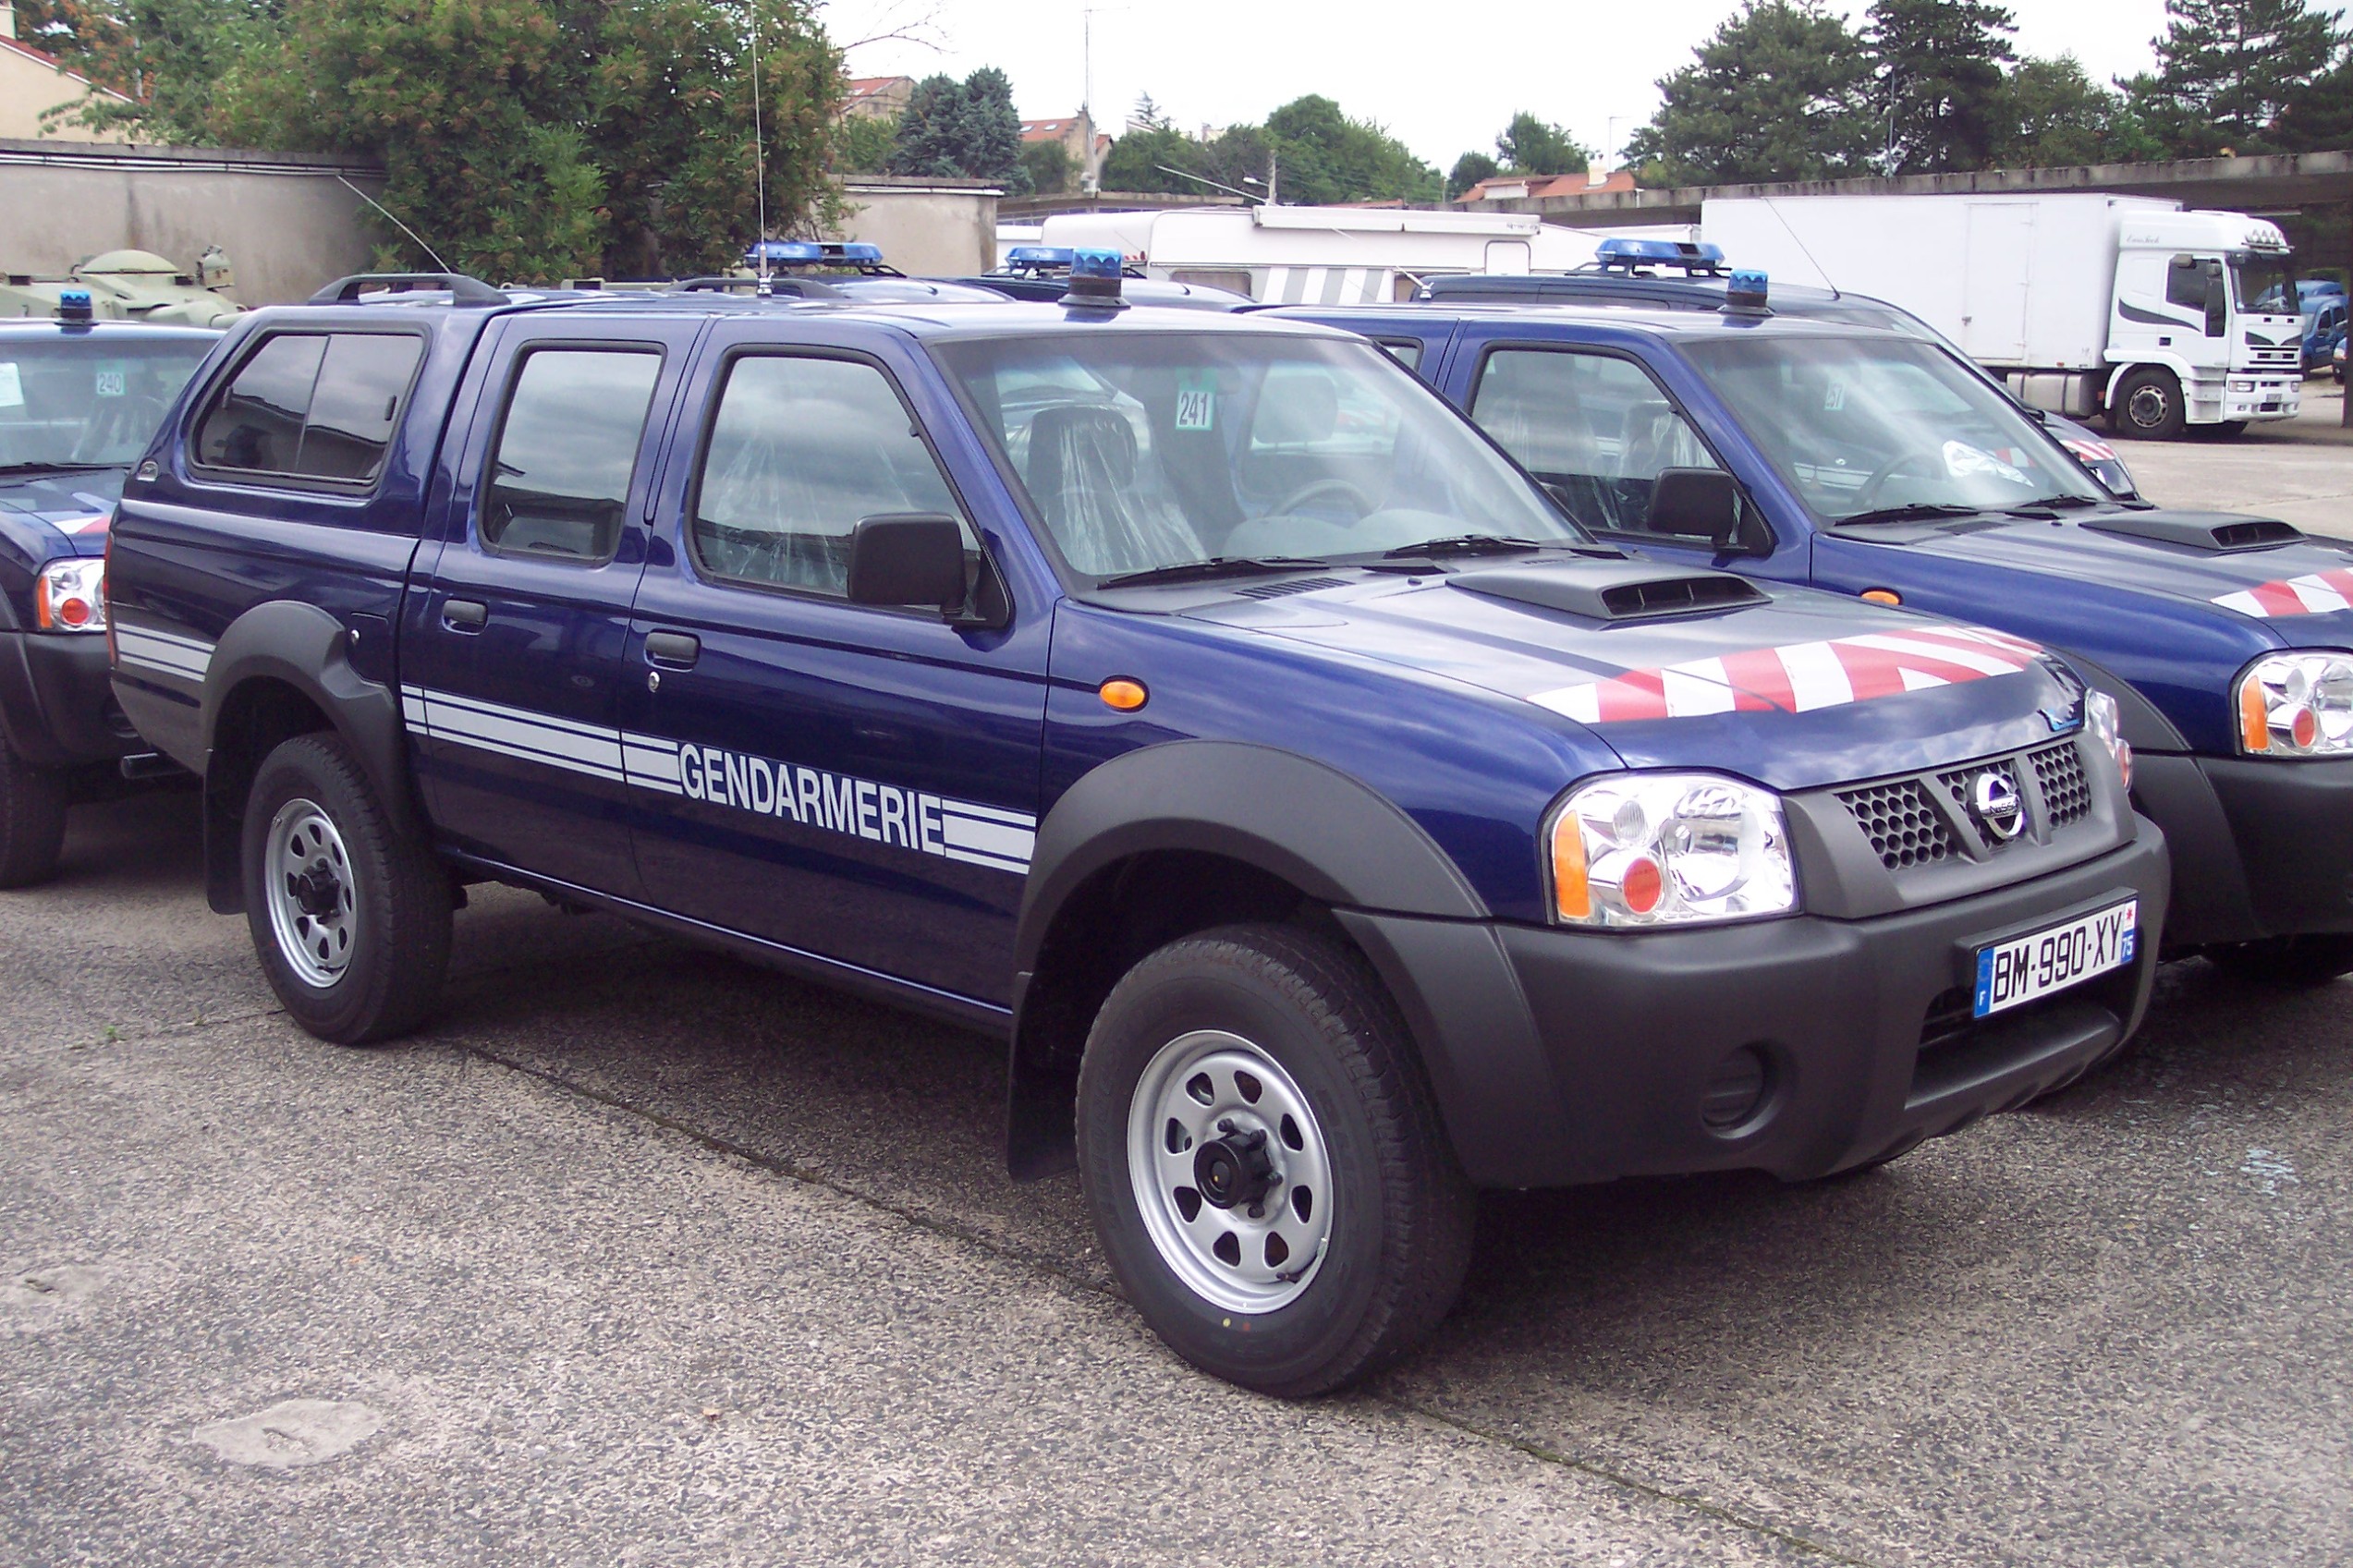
x,y
785,253
1691,256
1094,280
856,250
1038,257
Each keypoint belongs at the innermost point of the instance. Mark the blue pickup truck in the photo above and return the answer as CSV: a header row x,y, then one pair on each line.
x,y
79,400
1873,463
1328,825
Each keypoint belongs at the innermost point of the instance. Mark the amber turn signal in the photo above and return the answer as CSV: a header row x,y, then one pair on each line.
x,y
1882,596
1122,694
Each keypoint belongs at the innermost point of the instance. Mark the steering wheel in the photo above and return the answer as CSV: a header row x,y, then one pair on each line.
x,y
1365,507
1888,471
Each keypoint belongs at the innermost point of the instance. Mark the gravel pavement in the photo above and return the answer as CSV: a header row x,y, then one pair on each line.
x,y
642,1256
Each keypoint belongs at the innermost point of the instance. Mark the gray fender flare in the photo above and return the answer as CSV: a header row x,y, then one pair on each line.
x,y
1326,834
308,650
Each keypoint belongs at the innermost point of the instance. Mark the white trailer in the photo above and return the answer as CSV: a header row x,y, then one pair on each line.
x,y
1323,255
2085,304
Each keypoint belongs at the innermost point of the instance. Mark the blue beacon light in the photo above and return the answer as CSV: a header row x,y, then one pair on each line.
x,y
1094,281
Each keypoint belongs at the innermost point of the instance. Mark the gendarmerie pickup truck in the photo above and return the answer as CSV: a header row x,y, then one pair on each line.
x,y
1197,703
1871,462
80,401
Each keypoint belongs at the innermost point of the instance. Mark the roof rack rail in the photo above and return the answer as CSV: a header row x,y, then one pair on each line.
x,y
461,289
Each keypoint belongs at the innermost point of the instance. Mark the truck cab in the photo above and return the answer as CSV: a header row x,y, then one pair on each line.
x,y
1328,825
1877,464
2208,298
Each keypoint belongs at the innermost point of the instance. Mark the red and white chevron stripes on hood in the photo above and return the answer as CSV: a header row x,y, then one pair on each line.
x,y
1798,678
2319,593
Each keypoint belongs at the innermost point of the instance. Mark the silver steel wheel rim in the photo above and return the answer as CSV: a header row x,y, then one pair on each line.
x,y
313,894
1212,1087
2147,406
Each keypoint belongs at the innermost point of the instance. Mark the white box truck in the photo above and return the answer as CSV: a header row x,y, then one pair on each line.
x,y
1323,255
2085,304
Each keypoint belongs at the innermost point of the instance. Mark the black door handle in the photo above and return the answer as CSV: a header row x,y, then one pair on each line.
x,y
671,650
464,615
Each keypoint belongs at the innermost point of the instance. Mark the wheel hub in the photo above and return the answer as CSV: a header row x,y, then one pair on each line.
x,y
318,891
1234,1171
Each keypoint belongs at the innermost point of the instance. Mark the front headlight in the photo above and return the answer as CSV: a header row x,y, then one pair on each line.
x,y
2296,705
2106,723
71,596
1667,849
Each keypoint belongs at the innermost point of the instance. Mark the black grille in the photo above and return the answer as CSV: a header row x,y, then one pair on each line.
x,y
1300,585
1902,823
2066,794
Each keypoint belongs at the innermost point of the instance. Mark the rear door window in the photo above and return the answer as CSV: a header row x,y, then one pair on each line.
x,y
311,405
558,481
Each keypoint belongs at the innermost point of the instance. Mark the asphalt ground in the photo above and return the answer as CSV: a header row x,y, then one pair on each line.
x,y
644,1256
2299,470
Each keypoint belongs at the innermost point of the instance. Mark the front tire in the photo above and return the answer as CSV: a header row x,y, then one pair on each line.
x,y
1263,1163
33,821
2149,406
2311,960
351,919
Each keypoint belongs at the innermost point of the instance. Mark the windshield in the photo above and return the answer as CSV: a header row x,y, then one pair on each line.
x,y
87,400
1142,451
2264,285
1861,425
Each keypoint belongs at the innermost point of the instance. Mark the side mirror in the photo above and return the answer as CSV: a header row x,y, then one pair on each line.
x,y
1695,503
910,558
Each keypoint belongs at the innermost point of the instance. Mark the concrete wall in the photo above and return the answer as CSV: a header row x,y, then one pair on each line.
x,y
288,223
924,226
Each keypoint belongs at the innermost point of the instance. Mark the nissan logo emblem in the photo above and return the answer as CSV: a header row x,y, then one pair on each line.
x,y
1994,802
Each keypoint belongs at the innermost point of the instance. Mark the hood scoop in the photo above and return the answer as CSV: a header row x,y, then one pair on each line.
x,y
2217,532
1614,591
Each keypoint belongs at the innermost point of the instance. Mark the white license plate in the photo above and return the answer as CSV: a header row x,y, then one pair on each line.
x,y
2011,973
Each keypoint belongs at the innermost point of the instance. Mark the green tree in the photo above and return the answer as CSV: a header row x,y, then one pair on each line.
x,y
1940,81
2228,70
862,143
2320,115
1049,167
1327,157
1781,90
930,131
166,57
988,132
961,130
1469,170
529,140
2049,114
1529,146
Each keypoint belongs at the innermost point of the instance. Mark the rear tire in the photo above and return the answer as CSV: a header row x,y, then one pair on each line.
x,y
1275,1053
2148,406
351,918
33,821
2312,960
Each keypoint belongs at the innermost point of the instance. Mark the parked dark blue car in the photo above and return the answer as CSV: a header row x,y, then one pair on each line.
x,y
1873,463
78,402
1197,703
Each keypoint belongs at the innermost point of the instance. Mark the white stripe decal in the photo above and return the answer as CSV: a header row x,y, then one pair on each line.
x,y
1816,677
966,831
1697,687
2319,597
184,657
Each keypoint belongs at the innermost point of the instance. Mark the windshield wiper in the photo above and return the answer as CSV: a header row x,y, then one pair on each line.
x,y
1464,545
12,469
2054,503
1215,567
1910,511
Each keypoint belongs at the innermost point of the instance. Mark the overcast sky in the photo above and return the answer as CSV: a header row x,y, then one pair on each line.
x,y
1443,79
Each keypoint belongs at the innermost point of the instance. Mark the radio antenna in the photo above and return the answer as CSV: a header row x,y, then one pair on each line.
x,y
759,152
1821,271
397,223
